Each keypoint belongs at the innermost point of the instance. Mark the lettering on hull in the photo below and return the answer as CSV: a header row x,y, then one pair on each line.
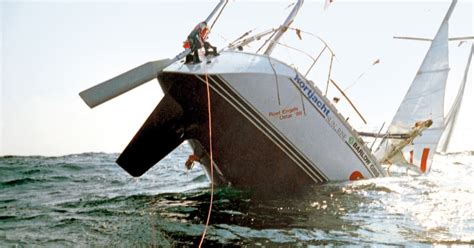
x,y
313,97
340,130
362,155
286,113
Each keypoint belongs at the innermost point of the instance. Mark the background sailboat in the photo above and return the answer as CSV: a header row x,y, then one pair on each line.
x,y
419,121
453,115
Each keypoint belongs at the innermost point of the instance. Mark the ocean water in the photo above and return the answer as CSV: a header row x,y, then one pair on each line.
x,y
87,200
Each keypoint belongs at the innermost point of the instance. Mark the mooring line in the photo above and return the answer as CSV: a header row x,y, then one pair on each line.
x,y
211,163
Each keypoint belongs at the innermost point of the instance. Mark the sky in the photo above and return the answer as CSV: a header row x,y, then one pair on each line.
x,y
50,51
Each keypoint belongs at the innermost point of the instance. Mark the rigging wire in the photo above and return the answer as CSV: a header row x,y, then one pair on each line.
x,y
362,74
380,131
288,54
276,79
266,41
316,60
329,75
219,15
350,102
316,36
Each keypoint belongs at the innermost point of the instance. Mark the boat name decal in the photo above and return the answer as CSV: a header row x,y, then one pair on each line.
x,y
286,113
312,96
322,108
341,132
360,151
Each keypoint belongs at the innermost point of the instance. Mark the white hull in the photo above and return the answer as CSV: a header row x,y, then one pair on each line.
x,y
290,112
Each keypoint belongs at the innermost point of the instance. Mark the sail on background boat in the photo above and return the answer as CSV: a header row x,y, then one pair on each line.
x,y
454,112
420,116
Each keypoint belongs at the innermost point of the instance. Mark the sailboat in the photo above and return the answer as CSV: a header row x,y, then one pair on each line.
x,y
261,124
272,129
415,132
452,117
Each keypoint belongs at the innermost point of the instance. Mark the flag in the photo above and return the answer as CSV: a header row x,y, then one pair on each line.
x,y
298,32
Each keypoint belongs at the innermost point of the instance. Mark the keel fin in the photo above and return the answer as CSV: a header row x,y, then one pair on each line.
x,y
161,133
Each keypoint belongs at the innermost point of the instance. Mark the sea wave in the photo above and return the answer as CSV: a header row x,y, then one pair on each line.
x,y
87,200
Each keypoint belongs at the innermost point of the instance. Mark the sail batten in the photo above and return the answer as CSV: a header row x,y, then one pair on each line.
x,y
421,113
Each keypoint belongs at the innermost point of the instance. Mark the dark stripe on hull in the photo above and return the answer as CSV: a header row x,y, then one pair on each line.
x,y
246,156
266,127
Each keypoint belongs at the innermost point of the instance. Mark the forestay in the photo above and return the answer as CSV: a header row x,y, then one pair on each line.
x,y
421,113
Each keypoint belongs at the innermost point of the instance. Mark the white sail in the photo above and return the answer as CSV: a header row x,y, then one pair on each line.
x,y
420,116
453,113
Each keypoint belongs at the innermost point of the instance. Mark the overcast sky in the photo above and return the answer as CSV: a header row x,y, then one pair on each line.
x,y
52,51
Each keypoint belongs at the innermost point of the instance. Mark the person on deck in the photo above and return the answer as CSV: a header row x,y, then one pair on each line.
x,y
196,40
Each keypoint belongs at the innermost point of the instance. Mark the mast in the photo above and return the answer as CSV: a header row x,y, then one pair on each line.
x,y
284,27
219,6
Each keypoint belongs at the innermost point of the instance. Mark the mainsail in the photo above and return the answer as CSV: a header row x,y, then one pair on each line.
x,y
453,113
420,116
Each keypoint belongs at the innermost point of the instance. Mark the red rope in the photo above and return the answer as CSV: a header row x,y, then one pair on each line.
x,y
212,167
